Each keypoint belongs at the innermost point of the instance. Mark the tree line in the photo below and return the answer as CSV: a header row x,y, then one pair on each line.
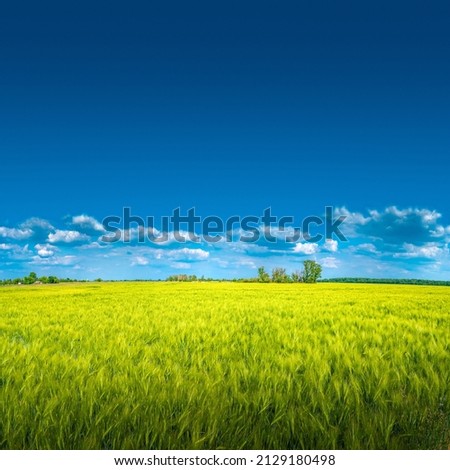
x,y
368,280
310,274
32,278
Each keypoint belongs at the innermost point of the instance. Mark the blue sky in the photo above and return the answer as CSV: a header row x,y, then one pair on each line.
x,y
230,109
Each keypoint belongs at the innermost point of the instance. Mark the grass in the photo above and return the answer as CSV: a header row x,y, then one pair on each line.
x,y
223,365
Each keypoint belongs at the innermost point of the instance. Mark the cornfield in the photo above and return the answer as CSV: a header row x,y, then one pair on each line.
x,y
224,366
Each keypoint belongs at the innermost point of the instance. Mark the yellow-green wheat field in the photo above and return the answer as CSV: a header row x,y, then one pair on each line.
x,y
224,366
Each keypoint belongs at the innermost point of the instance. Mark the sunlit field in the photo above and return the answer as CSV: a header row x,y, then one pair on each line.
x,y
224,365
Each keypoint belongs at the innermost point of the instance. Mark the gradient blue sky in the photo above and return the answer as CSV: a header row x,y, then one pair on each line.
x,y
231,108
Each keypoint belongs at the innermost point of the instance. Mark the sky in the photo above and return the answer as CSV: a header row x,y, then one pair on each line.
x,y
228,108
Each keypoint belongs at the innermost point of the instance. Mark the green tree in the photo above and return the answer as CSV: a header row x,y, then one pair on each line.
x,y
30,279
296,276
263,275
279,275
311,271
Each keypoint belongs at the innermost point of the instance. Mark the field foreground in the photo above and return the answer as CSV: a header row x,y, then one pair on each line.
x,y
223,365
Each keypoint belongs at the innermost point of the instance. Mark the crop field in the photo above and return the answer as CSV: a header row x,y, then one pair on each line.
x,y
224,366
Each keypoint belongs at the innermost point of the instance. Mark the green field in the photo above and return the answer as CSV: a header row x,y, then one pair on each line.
x,y
224,365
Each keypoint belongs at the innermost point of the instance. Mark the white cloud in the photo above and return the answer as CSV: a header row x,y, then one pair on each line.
x,y
221,262
36,222
86,221
306,248
331,245
427,216
16,252
151,234
140,261
7,246
15,233
329,262
94,245
242,247
55,260
246,263
429,250
393,224
190,254
180,265
143,256
366,247
67,236
440,231
351,218
281,233
44,251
